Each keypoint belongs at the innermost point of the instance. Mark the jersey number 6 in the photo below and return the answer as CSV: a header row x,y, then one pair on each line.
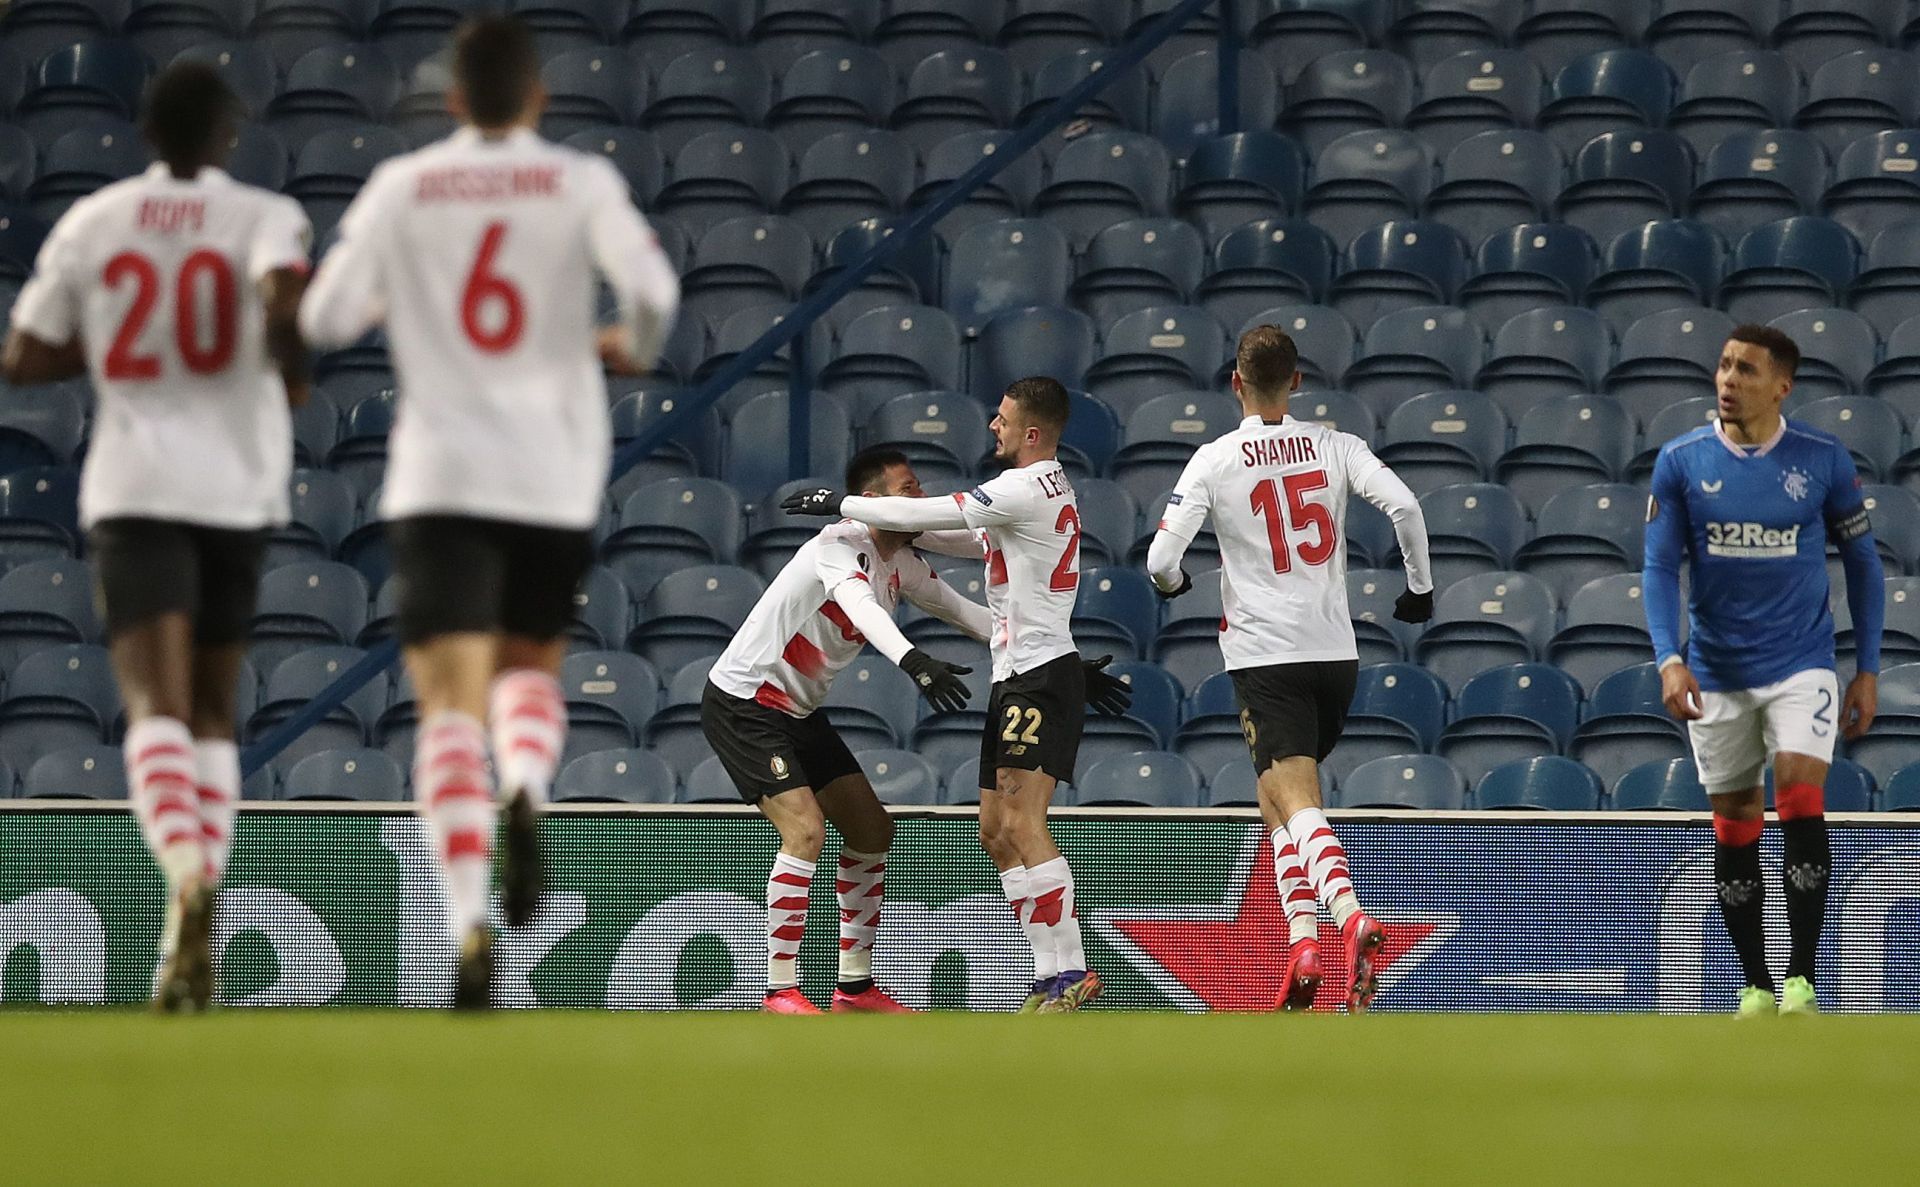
x,y
1300,514
487,287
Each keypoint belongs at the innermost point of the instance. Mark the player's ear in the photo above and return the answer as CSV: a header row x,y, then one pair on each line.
x,y
1295,385
457,103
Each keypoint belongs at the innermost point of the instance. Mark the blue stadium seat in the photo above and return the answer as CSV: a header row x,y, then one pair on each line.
x,y
1871,430
872,704
1199,34
1335,410
1668,264
845,177
1484,622
1162,435
1585,532
712,89
636,154
80,162
1398,265
774,373
1104,178
787,30
1006,265
292,685
740,172
1153,779
1623,179
661,31
625,776
1685,32
1555,33
18,163
1158,350
93,772
674,733
1290,34
1902,792
1795,263
36,28
602,610
245,67
1234,785
1546,354
1751,178
1157,696
1109,522
304,604
1885,290
1416,350
1681,417
943,435
707,783
370,776
1605,92
39,513
55,699
1897,378
1188,645
610,697
1493,180
910,31
333,165
948,739
668,525
1849,787
1186,104
1476,91
1890,744
1811,33
901,777
1091,437
636,410
1604,630
1518,270
1667,356
1404,781
910,276
1344,92
45,604
1135,263
1006,194
1121,106
1736,95
691,613
1859,94
1037,31
1510,714
1240,178
561,26
1547,783
1400,697
961,784
1115,609
1367,178
588,87
1440,438
1033,340
1626,725
78,84
1837,350
1563,443
1428,34
1265,264
1665,785
891,350
1472,527
42,426
952,91
323,513
1872,188
20,236
744,261
332,86
1325,339
258,158
849,88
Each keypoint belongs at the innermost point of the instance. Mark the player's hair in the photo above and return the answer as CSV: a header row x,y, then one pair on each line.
x,y
866,468
190,115
1779,347
1043,399
497,68
1266,360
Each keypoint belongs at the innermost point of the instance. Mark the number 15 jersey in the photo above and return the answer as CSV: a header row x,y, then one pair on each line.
x,y
481,256
1029,523
1278,495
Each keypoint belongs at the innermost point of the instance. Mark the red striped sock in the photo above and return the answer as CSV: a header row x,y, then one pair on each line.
x,y
453,793
861,885
788,885
1051,883
529,715
217,767
1296,892
1018,887
1326,863
160,781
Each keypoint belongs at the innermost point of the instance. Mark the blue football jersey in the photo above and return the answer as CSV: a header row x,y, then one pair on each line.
x,y
1753,525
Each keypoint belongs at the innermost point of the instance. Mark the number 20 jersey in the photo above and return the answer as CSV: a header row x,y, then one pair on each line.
x,y
160,279
1029,522
1278,496
482,256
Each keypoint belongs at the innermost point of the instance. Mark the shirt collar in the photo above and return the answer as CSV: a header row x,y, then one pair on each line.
x,y
469,134
1746,451
160,171
1254,422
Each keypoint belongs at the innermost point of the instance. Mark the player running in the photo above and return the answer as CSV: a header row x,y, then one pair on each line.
x,y
177,289
1277,489
762,716
1751,502
480,254
1030,528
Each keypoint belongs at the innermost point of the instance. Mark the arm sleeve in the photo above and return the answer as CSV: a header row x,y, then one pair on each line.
x,y
959,542
925,590
1180,522
1666,544
855,596
1850,530
49,305
282,240
1369,478
348,295
628,255
899,514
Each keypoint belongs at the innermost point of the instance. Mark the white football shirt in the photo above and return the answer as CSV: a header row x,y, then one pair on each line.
x,y
1278,497
160,277
798,638
1030,531
481,255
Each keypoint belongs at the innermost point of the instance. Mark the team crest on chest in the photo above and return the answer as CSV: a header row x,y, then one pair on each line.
x,y
1797,484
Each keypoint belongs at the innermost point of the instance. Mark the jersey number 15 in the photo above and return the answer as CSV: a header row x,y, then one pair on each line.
x,y
1301,515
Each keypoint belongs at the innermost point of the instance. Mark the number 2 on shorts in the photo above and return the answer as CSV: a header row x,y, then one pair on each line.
x,y
1013,733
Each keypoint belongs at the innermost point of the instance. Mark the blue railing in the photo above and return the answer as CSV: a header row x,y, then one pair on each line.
x,y
794,326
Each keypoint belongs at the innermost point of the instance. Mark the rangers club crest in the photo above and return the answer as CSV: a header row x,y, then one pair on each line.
x,y
1796,483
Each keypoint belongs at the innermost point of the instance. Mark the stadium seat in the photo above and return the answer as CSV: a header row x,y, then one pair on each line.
x,y
943,435
668,525
1528,266
1440,438
1871,430
1152,779
1038,31
36,28
1211,733
744,261
1885,749
1604,630
1494,180
948,739
1234,785
713,89
662,31
1795,263
1476,91
1667,356
1667,264
1667,784
369,776
1583,533
691,613
674,733
617,776
1483,622
1264,264
1156,695
304,604
1398,265
909,276
1413,351
910,31
333,165
333,86
1685,32
1156,351
1120,106
1897,378
1545,783
1564,443
1872,190
1404,781
93,772
45,604
18,165
1811,33
638,407
1433,33
1115,609
1162,435
55,699
893,350
1291,34
322,514
610,697
1858,94
1838,348
1508,714
849,88
1750,178
1245,177
1623,179
846,177
1734,96
1033,340
1199,34
900,777
247,68
1626,725
1138,262
1900,639
872,704
1472,527
1188,645
588,87
43,426
1346,92
1849,787
39,513
1401,698
636,154
1109,522
78,83
561,26
1104,178
1544,354
1902,792
953,91
292,685
757,441
1186,104
1604,92
1004,265
82,161
1368,178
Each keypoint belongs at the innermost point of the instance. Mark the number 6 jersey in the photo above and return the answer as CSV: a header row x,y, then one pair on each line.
x,y
481,255
160,278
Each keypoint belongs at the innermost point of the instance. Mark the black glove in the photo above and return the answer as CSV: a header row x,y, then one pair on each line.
x,y
1186,583
939,681
824,501
1413,607
1109,694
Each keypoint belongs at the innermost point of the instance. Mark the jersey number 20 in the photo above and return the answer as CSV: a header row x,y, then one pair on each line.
x,y
201,352
1301,515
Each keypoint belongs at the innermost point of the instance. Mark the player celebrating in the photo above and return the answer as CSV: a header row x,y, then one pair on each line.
x,y
1277,489
1031,529
178,290
1750,502
480,255
761,714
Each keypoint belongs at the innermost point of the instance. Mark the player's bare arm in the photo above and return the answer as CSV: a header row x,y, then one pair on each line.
x,y
281,290
30,360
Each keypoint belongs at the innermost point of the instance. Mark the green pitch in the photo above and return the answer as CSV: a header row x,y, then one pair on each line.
x,y
348,1098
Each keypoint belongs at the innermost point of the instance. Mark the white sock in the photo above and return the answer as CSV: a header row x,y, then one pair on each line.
x,y
1326,863
162,785
1051,886
453,793
1017,884
529,714
217,767
1296,892
861,885
788,885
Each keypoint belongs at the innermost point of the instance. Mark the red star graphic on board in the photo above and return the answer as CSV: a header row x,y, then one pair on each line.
x,y
1233,956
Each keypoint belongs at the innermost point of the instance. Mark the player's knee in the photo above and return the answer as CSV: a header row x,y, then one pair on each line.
x,y
803,837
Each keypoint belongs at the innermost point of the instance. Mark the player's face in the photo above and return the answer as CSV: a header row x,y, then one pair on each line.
x,y
1748,382
901,481
1009,430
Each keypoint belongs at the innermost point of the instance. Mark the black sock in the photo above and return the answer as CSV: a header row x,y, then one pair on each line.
x,y
856,986
1736,882
1804,868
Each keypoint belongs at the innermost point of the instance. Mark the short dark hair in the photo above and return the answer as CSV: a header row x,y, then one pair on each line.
x,y
1043,399
866,468
1267,360
1779,347
496,66
190,115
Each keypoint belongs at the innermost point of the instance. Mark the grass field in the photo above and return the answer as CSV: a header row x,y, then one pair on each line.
x,y
337,1097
